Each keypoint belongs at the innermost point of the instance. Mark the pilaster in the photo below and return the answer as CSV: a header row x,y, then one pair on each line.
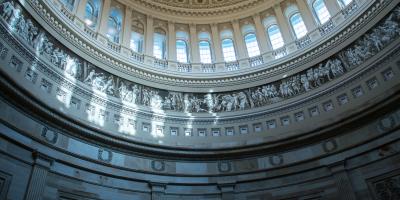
x,y
37,180
283,24
345,190
194,47
149,35
104,17
216,43
239,41
171,41
127,27
261,35
306,13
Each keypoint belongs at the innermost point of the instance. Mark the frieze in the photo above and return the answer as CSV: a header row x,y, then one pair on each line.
x,y
227,82
75,68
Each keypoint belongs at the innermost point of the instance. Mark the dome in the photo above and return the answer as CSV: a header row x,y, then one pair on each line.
x,y
199,99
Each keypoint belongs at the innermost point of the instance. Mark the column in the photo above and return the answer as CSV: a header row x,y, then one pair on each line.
x,y
283,24
308,18
239,41
126,37
343,184
149,35
81,9
194,47
38,176
261,35
171,41
216,43
104,17
333,7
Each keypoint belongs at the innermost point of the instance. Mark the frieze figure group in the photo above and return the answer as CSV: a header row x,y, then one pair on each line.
x,y
75,67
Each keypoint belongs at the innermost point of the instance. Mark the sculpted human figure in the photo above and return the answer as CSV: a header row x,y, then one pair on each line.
x,y
90,77
20,27
109,86
8,8
242,100
306,83
135,93
16,15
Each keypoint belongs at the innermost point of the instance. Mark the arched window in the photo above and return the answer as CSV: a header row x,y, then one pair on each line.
x,y
228,49
252,44
205,52
159,47
136,43
275,37
181,51
321,11
298,26
92,12
344,3
114,25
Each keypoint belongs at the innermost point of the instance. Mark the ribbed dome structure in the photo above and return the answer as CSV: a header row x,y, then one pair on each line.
x,y
199,99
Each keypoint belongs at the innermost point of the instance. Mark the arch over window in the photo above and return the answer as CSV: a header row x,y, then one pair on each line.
x,y
298,26
159,47
92,12
114,25
228,50
344,3
275,36
252,44
136,43
321,11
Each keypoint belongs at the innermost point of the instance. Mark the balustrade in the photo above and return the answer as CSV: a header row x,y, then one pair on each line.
x,y
184,67
232,66
163,64
137,57
303,42
255,61
350,9
114,46
326,28
207,68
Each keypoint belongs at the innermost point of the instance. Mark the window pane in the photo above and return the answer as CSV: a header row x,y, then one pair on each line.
x,y
252,45
159,46
113,30
275,37
136,43
321,11
228,50
181,51
298,25
205,52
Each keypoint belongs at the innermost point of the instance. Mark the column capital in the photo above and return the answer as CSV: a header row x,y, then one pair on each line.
x,y
41,159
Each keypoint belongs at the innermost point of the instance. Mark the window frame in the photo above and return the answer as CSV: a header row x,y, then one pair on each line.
x,y
234,56
256,51
269,36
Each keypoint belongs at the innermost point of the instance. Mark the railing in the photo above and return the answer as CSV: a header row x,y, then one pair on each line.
x,y
232,66
279,53
137,57
207,68
114,46
184,67
67,12
163,64
255,61
326,28
303,42
89,31
349,9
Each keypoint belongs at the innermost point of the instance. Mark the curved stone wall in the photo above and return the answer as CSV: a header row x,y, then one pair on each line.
x,y
330,131
115,107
